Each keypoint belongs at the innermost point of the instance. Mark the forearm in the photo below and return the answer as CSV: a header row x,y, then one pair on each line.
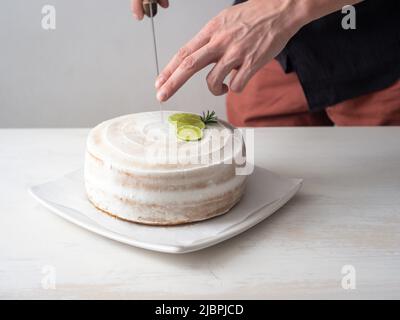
x,y
294,14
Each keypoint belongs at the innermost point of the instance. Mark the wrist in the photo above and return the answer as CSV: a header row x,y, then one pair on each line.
x,y
310,10
296,14
292,15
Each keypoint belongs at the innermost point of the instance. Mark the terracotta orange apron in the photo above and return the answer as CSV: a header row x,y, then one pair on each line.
x,y
273,98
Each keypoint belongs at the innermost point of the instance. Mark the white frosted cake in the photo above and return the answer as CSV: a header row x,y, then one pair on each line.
x,y
137,169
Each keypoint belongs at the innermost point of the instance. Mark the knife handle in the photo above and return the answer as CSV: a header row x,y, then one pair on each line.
x,y
150,6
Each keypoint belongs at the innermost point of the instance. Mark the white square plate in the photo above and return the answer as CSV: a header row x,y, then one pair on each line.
x,y
266,193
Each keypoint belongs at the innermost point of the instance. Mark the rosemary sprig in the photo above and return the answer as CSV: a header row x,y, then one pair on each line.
x,y
209,117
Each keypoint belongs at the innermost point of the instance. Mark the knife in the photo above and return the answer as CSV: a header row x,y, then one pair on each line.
x,y
150,9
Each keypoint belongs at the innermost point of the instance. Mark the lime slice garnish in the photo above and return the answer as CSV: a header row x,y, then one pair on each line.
x,y
174,118
191,122
189,133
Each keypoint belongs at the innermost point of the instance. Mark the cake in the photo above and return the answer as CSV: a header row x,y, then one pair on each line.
x,y
138,170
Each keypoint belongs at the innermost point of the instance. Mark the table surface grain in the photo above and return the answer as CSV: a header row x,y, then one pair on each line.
x,y
347,213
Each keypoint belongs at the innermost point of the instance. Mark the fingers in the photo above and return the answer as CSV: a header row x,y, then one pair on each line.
x,y
186,69
242,77
199,41
221,70
164,3
137,9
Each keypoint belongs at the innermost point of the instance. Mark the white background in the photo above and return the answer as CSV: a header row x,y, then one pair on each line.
x,y
96,65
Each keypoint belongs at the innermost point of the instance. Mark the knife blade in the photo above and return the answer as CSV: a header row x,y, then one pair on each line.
x,y
150,9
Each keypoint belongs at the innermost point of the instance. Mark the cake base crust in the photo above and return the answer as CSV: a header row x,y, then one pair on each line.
x,y
169,223
177,221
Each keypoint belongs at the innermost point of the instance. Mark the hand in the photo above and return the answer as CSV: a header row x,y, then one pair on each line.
x,y
137,7
241,38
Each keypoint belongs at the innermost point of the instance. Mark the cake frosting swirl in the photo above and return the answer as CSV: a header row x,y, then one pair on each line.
x,y
137,169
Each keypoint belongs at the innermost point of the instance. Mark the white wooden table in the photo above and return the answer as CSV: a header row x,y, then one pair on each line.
x,y
348,213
